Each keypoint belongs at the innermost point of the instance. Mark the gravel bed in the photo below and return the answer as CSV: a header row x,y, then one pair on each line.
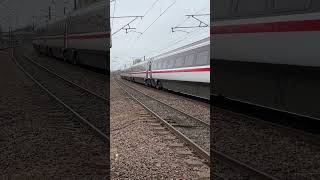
x,y
93,81
195,108
223,171
193,129
87,105
137,151
266,148
39,139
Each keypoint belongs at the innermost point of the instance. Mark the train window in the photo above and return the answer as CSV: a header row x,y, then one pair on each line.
x,y
158,64
179,62
163,64
292,5
202,58
189,61
245,7
153,65
171,63
167,63
222,8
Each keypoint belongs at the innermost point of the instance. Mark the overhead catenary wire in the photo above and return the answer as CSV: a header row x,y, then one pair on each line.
x,y
135,40
174,42
126,25
154,3
181,38
157,18
148,10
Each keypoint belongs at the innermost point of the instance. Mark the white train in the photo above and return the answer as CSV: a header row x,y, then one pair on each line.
x,y
83,37
266,53
185,70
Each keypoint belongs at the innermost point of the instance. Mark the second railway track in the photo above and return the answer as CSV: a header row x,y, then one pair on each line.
x,y
196,134
86,105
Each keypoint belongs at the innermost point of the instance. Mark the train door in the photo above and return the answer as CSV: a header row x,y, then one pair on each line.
x,y
65,34
147,71
148,74
150,69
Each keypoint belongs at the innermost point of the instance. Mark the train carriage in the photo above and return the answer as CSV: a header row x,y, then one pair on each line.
x,y
83,37
265,53
185,70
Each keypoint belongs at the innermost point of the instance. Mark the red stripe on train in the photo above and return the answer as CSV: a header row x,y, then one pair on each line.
x,y
89,36
92,36
288,26
175,70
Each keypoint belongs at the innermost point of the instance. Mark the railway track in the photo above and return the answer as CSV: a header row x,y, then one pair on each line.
x,y
293,146
89,107
192,131
41,138
200,109
311,136
88,79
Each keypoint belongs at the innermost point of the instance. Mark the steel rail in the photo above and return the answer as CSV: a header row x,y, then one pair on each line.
x,y
234,162
193,99
103,136
312,138
70,82
188,115
201,152
251,170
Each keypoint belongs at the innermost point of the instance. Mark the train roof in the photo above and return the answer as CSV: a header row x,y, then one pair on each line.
x,y
98,4
200,43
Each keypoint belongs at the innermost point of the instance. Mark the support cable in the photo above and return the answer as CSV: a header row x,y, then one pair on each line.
x,y
202,24
157,18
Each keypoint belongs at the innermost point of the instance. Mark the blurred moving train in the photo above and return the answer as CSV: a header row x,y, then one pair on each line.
x,y
185,70
266,53
83,37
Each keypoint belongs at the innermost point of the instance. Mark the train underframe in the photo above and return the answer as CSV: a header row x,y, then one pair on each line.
x,y
92,58
196,89
286,88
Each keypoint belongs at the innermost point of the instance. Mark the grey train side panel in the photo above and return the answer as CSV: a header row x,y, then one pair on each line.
x,y
58,37
284,87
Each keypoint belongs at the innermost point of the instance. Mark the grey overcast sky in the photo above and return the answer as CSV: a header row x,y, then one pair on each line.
x,y
158,38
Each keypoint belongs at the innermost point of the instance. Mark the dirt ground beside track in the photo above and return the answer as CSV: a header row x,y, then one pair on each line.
x,y
138,151
33,145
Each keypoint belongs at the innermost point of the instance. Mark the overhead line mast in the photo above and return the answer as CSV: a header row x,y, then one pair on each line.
x,y
202,24
127,26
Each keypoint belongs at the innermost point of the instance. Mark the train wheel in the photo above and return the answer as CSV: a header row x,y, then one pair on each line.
x,y
159,85
50,52
47,51
64,56
75,58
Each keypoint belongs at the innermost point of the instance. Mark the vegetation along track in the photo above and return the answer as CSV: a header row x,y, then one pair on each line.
x,y
86,105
